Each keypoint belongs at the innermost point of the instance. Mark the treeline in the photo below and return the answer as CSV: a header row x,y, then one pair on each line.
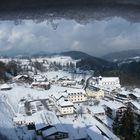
x,y
10,68
94,63
127,126
129,73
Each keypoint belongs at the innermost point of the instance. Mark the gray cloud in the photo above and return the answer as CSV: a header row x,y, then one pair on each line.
x,y
96,37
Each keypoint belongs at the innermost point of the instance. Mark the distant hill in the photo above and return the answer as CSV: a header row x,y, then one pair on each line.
x,y
88,61
122,55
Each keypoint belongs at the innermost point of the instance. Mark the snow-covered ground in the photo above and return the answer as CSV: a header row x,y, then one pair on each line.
x,y
77,125
7,128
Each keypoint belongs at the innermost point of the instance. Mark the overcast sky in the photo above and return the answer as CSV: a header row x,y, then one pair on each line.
x,y
96,37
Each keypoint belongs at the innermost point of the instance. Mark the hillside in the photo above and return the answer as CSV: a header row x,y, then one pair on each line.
x,y
129,73
122,55
88,61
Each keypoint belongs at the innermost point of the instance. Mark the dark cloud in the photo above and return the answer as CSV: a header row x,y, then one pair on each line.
x,y
96,37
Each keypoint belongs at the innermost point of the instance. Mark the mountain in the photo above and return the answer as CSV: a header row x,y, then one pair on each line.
x,y
122,55
87,61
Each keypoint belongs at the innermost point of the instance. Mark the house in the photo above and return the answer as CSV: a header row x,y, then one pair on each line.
x,y
55,133
113,108
68,83
76,95
96,110
40,78
22,78
100,132
135,96
106,83
5,87
95,92
65,81
21,120
65,106
135,107
122,96
93,133
45,123
41,85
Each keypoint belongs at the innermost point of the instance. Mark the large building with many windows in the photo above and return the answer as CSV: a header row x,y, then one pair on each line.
x,y
65,106
94,92
76,95
106,83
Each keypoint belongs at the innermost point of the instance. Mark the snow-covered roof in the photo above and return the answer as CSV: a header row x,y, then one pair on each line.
x,y
136,94
136,104
126,93
63,103
78,128
39,78
40,83
5,86
41,119
53,130
59,95
49,132
75,90
64,78
137,90
19,76
27,119
68,81
95,134
114,105
108,79
96,109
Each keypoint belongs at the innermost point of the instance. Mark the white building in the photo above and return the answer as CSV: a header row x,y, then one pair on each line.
x,y
45,123
96,110
40,78
122,96
76,95
41,85
93,133
114,108
135,96
135,107
106,83
65,81
65,106
94,92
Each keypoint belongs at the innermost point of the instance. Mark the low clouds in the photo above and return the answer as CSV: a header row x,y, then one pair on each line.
x,y
96,37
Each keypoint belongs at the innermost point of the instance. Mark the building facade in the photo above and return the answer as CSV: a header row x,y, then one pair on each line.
x,y
76,95
94,92
106,83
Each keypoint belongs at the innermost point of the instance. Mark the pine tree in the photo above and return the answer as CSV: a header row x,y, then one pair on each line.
x,y
127,124
124,126
116,125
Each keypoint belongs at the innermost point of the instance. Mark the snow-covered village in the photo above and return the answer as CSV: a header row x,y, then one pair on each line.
x,y
62,102
70,70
